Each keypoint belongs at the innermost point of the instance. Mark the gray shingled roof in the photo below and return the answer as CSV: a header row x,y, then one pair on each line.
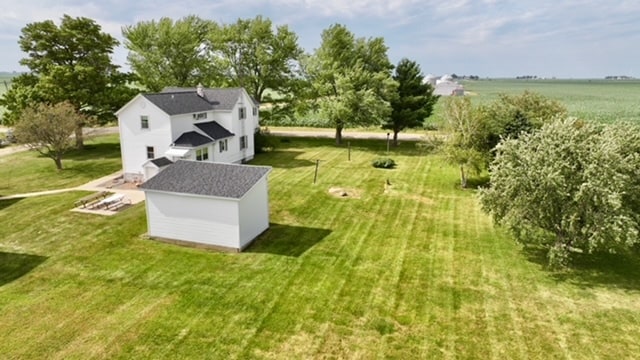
x,y
215,95
192,139
176,101
179,102
214,130
161,161
207,178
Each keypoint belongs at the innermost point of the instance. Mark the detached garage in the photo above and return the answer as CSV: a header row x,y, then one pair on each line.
x,y
207,204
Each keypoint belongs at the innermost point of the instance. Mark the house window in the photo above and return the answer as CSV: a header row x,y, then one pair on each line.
x,y
144,122
242,112
200,116
150,152
243,142
255,110
202,154
223,145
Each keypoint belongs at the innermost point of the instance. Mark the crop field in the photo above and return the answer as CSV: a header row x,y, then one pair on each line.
x,y
599,100
408,270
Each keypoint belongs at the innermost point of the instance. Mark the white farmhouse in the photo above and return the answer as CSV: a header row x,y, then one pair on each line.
x,y
224,206
215,125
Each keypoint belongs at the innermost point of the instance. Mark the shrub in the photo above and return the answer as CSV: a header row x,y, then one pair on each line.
x,y
263,141
383,163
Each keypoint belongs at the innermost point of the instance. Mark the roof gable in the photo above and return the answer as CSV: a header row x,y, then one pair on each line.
x,y
161,161
207,179
192,139
214,130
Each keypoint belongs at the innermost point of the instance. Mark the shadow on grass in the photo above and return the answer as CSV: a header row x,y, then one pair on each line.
x,y
94,151
8,202
597,269
477,182
376,146
285,159
13,266
287,240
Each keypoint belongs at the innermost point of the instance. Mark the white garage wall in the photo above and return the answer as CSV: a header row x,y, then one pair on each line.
x,y
191,218
254,212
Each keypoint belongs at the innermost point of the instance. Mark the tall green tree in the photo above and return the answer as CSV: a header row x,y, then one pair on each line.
x,y
351,79
413,103
167,53
254,54
70,62
47,129
571,185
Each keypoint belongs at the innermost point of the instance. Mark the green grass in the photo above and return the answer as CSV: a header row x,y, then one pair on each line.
x,y
413,270
29,171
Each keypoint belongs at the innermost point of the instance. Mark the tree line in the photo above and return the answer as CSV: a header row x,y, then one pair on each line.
x,y
349,80
555,181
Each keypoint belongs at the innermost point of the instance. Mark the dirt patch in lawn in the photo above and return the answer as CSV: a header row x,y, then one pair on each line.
x,y
345,192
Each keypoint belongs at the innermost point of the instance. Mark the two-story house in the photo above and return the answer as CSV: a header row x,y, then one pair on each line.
x,y
202,124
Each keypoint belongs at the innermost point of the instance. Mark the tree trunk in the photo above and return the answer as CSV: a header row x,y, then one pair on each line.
x,y
339,134
463,177
58,160
395,137
79,138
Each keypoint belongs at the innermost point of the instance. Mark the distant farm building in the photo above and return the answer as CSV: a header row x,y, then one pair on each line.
x,y
444,85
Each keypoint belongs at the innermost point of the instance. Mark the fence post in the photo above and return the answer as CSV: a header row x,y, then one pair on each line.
x,y
315,175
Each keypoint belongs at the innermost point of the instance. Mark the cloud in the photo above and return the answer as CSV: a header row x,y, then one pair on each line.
x,y
455,35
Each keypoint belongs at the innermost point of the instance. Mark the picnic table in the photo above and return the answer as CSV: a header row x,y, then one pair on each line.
x,y
91,199
110,201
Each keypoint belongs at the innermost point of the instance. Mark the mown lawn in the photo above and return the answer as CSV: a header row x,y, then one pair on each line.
x,y
411,270
28,171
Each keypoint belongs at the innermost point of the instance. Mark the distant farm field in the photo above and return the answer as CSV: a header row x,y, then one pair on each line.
x,y
410,270
599,100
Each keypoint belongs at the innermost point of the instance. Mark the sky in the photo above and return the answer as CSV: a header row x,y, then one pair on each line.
x,y
487,38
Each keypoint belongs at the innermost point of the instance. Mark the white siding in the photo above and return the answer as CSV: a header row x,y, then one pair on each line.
x,y
192,218
181,124
224,118
254,212
242,127
150,171
134,140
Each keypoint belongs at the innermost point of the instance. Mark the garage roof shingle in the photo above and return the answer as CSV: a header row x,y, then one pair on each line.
x,y
207,179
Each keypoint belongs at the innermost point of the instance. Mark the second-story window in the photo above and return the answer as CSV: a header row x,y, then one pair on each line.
x,y
200,116
242,113
150,152
255,110
144,122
